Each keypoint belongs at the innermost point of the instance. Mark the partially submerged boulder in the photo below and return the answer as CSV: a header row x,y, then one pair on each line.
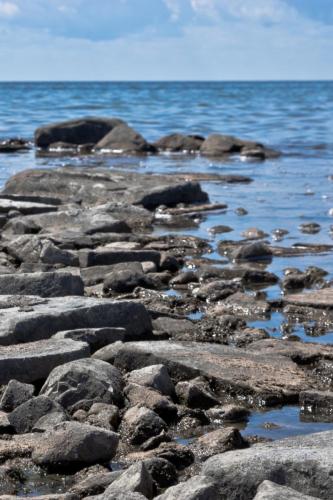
x,y
124,140
179,143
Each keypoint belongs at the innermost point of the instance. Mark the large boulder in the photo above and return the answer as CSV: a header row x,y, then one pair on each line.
x,y
46,317
33,361
179,143
25,416
84,382
136,479
170,195
72,444
219,145
15,394
79,131
196,488
272,491
124,139
304,463
41,284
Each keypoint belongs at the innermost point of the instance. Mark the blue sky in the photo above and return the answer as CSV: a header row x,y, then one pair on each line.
x,y
166,39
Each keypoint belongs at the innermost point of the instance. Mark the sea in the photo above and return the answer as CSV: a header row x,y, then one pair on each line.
x,y
295,118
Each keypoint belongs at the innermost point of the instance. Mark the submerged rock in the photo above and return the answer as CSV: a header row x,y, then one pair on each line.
x,y
179,143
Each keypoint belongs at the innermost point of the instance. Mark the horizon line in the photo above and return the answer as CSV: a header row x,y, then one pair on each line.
x,y
175,81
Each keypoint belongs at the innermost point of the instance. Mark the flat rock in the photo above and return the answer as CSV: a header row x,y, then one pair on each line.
x,y
41,284
108,257
34,361
95,337
45,318
231,369
196,488
25,207
272,491
303,463
322,299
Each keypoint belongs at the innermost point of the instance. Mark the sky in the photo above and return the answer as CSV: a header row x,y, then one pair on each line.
x,y
166,40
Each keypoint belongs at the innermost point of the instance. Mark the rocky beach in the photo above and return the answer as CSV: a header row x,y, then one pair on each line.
x,y
150,347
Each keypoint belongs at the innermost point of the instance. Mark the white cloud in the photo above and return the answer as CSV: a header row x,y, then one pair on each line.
x,y
174,8
8,9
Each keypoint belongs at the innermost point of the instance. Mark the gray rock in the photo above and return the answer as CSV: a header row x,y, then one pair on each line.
x,y
169,195
221,145
272,491
25,207
25,416
95,483
32,362
124,140
81,131
155,376
125,277
41,284
196,488
103,415
14,145
49,421
303,463
51,254
252,252
83,380
321,299
140,424
52,315
15,394
136,479
72,444
179,143
316,406
152,399
109,257
195,394
95,337
162,471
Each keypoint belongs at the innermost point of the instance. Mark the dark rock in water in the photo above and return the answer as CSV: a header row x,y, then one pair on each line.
x,y
95,337
80,131
273,491
303,463
242,305
46,317
14,145
140,424
220,145
186,192
33,361
88,380
25,416
220,229
179,143
15,394
196,488
316,406
154,376
253,233
41,284
252,252
196,394
228,413
123,139
72,445
136,479
310,228
217,290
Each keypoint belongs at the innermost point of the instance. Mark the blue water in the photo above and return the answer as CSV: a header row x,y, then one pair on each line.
x,y
295,118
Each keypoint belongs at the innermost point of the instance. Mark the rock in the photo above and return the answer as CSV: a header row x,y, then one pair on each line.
x,y
252,252
95,337
51,254
49,316
72,444
14,145
33,361
24,207
171,327
136,479
152,399
310,228
125,277
179,143
25,416
41,284
272,491
81,131
316,406
163,473
154,376
89,380
140,424
220,229
123,139
242,305
103,415
49,421
184,278
185,192
218,441
220,145
110,257
196,488
322,299
233,371
15,394
228,413
254,233
217,290
303,463
95,483
195,394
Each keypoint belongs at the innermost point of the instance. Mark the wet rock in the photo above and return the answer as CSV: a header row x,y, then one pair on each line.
x,y
241,211
184,278
110,257
179,143
232,370
221,145
316,406
14,145
84,380
154,376
81,131
196,488
322,299
72,444
304,463
125,277
163,473
279,234
273,491
217,290
169,195
95,337
254,233
294,282
246,336
242,305
41,284
5,425
123,139
310,228
49,316
220,229
34,361
218,441
195,394
25,416
15,394
140,424
139,395
136,479
228,413
155,441
252,252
